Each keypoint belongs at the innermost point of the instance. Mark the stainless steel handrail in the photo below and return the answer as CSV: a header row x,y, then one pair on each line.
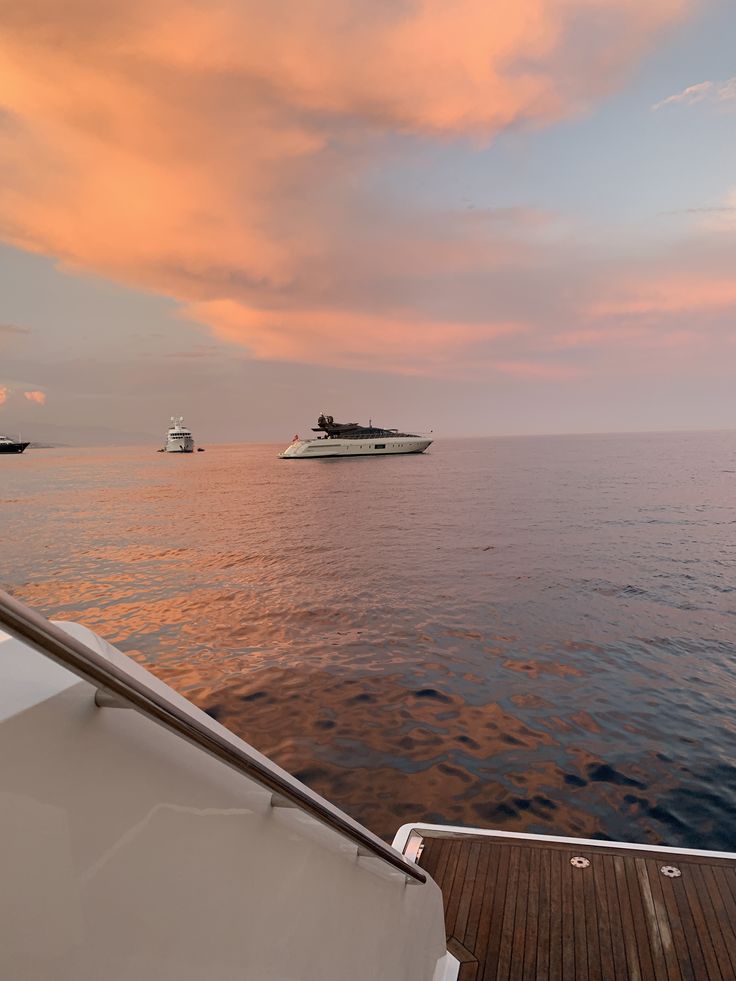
x,y
25,623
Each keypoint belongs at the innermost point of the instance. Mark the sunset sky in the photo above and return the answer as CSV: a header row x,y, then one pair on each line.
x,y
468,216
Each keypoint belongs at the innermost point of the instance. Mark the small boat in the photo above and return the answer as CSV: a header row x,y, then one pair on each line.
x,y
8,445
351,439
178,438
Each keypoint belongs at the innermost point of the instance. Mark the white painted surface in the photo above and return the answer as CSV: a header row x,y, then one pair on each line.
x,y
127,853
403,835
447,969
375,446
27,678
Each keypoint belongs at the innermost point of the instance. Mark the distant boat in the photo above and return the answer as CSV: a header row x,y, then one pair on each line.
x,y
351,439
178,438
8,445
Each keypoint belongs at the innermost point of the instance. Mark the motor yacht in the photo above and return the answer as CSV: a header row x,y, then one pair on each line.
x,y
352,439
8,445
178,438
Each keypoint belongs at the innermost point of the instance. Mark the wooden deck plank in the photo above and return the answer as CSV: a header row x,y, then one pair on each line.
x,y
643,941
517,910
521,921
600,898
457,890
435,861
592,934
555,917
650,919
671,959
725,905
489,929
717,927
706,944
580,932
448,884
502,966
690,932
669,895
529,960
635,964
568,917
619,966
541,957
463,910
476,900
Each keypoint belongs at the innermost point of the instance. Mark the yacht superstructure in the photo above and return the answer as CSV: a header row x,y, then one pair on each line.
x,y
352,439
144,840
179,438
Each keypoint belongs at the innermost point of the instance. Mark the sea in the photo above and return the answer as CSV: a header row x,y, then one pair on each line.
x,y
530,633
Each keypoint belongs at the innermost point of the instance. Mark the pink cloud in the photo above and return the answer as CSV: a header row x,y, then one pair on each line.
x,y
36,396
538,370
670,294
702,92
213,153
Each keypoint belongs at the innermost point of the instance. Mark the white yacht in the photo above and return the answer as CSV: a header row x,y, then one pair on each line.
x,y
143,840
351,439
179,438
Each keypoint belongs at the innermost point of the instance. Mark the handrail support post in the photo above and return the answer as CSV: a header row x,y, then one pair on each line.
x,y
106,699
278,800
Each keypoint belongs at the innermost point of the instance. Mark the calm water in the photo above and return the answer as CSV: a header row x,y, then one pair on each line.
x,y
532,634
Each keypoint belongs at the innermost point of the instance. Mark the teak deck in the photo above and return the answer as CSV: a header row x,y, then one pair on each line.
x,y
518,909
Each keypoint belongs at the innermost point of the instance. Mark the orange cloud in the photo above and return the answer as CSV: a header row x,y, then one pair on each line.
x,y
36,396
213,152
355,340
4,392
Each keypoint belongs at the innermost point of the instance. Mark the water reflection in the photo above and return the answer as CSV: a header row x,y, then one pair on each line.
x,y
526,634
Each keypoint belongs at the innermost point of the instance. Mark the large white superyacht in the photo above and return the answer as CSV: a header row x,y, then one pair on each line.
x,y
179,438
143,840
352,439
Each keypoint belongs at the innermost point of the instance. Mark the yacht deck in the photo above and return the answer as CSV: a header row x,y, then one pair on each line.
x,y
518,908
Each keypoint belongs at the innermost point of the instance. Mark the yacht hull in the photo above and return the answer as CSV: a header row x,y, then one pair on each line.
x,y
374,446
12,447
180,446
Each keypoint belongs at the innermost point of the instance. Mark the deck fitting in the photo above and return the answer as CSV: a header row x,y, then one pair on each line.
x,y
579,862
671,871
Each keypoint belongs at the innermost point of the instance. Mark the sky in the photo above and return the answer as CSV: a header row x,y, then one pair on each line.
x,y
464,216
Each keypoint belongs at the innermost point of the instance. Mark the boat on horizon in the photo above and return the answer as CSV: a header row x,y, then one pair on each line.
x,y
179,439
8,445
352,439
